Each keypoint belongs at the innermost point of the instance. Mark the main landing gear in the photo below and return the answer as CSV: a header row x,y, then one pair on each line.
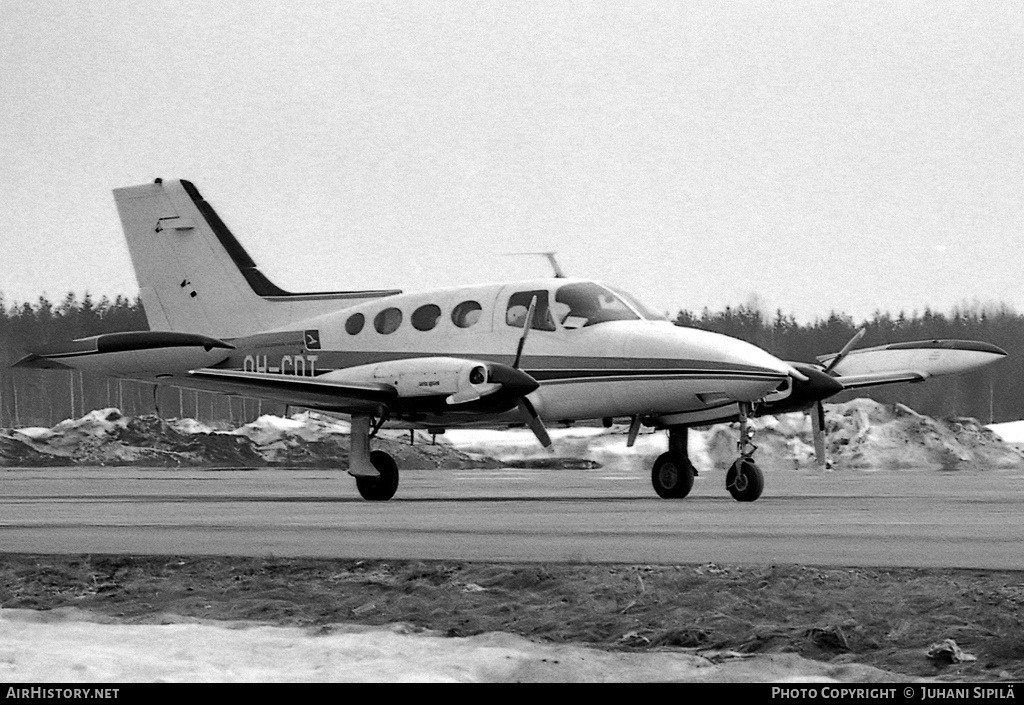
x,y
376,472
673,473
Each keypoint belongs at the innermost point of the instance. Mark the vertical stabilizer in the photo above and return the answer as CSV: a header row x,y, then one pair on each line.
x,y
195,276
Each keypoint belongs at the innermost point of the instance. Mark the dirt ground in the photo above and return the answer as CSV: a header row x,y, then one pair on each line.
x,y
887,618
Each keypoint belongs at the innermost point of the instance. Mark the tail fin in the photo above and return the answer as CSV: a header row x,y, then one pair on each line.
x,y
195,277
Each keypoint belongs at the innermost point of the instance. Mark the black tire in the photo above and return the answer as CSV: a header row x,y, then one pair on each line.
x,y
383,488
744,480
672,475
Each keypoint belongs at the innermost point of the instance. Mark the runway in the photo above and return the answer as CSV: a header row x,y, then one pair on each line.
x,y
913,519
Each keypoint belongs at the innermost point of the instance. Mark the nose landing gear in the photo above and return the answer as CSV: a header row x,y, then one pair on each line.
x,y
745,480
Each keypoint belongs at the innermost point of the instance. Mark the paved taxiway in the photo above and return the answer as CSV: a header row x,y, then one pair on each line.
x,y
908,518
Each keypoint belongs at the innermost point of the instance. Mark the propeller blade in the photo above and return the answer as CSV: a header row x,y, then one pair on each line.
x,y
534,422
845,351
526,330
524,404
818,431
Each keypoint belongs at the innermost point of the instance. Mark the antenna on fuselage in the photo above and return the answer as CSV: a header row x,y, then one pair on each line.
x,y
559,274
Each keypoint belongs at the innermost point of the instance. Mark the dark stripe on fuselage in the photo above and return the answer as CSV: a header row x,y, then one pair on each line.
x,y
543,368
288,344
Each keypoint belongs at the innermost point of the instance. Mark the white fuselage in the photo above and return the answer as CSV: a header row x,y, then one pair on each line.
x,y
587,368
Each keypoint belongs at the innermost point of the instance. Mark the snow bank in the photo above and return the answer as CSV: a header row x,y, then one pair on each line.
x,y
107,437
862,434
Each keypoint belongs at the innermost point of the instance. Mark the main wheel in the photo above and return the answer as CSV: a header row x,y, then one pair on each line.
x,y
672,475
383,488
744,480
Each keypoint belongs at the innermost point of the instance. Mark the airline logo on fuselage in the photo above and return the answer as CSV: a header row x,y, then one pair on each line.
x,y
312,338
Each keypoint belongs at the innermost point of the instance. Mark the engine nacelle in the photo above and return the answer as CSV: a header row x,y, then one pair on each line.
x,y
457,379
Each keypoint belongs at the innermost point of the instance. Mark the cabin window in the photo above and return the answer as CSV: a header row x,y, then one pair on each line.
x,y
519,305
587,303
466,314
355,323
388,320
425,317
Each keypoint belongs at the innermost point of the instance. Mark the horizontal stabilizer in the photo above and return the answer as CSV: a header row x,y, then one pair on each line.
x,y
131,354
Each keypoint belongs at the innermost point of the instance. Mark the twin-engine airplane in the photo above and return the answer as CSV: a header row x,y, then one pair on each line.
x,y
527,353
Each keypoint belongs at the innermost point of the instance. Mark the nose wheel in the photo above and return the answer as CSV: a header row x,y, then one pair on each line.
x,y
745,481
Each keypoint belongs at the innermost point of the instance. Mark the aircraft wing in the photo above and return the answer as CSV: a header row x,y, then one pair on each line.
x,y
346,397
909,362
413,385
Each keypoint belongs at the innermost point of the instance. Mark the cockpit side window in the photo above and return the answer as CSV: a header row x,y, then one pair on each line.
x,y
519,305
586,304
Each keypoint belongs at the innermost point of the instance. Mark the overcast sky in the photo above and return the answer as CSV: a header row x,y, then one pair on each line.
x,y
818,156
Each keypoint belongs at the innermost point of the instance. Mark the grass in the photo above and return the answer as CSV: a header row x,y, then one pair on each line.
x,y
887,618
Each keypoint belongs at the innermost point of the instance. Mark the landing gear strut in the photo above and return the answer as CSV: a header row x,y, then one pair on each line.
x,y
744,480
673,473
376,472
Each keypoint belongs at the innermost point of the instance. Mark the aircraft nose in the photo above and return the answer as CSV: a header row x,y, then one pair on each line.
x,y
757,359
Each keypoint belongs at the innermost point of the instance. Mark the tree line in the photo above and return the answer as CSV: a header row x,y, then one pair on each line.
x,y
993,394
45,397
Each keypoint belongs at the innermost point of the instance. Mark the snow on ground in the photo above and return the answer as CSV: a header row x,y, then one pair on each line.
x,y
65,646
1010,432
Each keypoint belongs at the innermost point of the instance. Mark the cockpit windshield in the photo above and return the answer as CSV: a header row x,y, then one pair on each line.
x,y
587,303
640,308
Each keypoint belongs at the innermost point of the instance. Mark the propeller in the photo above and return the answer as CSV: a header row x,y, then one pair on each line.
x,y
526,407
818,432
526,331
845,351
818,413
